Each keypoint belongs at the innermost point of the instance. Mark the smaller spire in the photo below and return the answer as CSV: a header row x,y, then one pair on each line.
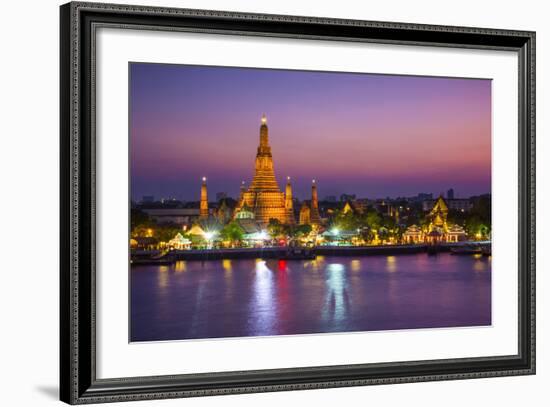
x,y
264,118
314,216
288,201
203,212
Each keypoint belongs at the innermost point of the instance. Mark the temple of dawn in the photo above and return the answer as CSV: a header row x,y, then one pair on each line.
x,y
263,200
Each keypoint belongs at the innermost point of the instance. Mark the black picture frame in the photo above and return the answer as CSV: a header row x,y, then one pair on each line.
x,y
78,382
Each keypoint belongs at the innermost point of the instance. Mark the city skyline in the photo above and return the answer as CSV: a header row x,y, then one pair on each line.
x,y
213,197
370,135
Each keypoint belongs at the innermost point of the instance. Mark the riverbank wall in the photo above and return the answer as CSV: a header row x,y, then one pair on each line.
x,y
281,252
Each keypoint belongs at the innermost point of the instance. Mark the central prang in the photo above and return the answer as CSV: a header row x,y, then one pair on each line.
x,y
263,201
263,197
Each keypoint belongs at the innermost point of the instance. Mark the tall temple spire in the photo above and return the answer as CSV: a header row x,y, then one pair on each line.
x,y
263,195
203,212
264,177
315,217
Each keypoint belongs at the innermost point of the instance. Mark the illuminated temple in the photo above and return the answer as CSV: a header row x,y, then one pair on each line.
x,y
438,229
263,200
263,197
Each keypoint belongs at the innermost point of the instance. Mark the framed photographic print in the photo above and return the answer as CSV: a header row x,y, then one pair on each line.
x,y
256,203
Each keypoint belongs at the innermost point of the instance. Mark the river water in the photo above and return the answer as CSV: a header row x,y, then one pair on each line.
x,y
236,298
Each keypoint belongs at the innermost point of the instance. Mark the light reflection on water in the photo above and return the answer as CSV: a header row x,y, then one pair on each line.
x,y
335,307
262,308
226,264
480,264
180,266
391,263
163,276
228,298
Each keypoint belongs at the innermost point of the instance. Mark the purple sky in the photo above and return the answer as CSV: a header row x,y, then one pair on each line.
x,y
370,135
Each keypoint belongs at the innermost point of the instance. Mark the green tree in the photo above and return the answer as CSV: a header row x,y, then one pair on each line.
x,y
297,231
276,229
304,230
351,220
138,218
476,228
232,232
383,233
374,220
480,213
388,222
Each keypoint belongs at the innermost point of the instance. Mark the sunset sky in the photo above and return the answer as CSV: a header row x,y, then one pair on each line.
x,y
369,135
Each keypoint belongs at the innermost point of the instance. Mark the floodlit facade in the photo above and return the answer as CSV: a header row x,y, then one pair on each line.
x,y
438,230
263,199
263,195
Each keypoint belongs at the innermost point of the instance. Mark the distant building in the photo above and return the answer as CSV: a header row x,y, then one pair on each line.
x,y
423,197
347,197
330,198
354,207
177,216
148,199
451,194
220,196
463,205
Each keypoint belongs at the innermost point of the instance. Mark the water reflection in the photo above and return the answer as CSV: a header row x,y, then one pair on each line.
x,y
229,298
481,264
163,277
336,302
197,316
315,265
391,263
180,266
228,278
262,307
226,264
